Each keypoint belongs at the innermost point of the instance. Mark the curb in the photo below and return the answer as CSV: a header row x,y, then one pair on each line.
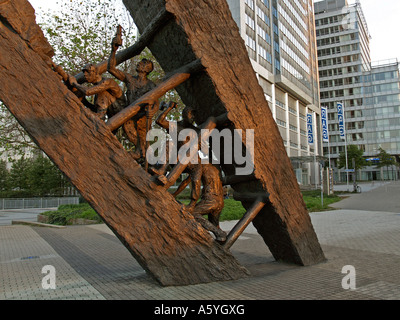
x,y
36,224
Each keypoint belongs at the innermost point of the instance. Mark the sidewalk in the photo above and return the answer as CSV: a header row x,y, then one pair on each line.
x,y
91,263
365,186
7,216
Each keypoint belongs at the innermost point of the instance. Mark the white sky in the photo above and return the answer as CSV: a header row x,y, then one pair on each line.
x,y
383,19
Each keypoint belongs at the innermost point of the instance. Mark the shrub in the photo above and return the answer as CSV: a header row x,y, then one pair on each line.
x,y
66,213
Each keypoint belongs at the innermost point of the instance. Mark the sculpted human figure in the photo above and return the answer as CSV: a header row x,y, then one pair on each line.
x,y
66,79
211,196
106,91
208,175
136,87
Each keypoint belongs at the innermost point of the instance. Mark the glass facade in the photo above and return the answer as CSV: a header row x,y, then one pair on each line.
x,y
280,39
369,92
281,43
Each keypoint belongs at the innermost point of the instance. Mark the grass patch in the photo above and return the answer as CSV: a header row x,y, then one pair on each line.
x,y
233,210
66,213
313,200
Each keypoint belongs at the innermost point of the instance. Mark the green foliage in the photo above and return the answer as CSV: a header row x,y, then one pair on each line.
x,y
65,214
31,177
19,175
385,159
4,177
81,31
314,203
44,177
353,152
233,210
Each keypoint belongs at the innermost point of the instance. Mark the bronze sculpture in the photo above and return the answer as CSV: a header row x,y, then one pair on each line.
x,y
66,78
213,74
106,91
206,175
137,127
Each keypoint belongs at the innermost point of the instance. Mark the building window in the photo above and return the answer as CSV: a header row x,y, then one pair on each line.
x,y
280,104
250,42
277,66
281,123
250,3
250,22
266,3
263,16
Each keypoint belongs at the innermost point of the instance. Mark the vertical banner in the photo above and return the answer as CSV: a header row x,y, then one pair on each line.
x,y
340,111
310,128
324,120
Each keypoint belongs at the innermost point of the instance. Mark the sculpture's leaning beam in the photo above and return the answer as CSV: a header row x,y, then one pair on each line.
x,y
166,240
206,30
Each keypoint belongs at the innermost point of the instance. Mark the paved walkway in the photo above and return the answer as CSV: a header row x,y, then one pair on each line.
x,y
9,215
91,263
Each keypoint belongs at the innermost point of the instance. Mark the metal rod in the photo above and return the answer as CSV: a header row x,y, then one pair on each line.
x,y
243,223
180,76
208,126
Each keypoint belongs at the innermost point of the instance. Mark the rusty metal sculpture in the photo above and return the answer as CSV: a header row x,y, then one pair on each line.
x,y
210,69
200,174
106,91
137,127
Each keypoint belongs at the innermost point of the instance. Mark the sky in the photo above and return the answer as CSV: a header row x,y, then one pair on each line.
x,y
383,20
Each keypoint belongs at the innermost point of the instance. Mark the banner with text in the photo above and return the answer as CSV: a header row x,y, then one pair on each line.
x,y
324,120
310,128
340,111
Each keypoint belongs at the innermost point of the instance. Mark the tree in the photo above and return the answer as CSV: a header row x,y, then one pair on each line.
x,y
4,176
81,31
353,152
385,160
19,174
14,141
31,177
355,159
44,178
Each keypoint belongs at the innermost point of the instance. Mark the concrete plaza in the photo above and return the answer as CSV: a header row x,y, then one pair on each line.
x,y
91,263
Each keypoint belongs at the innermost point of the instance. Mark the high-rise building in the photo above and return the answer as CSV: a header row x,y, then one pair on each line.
x,y
281,42
380,117
369,92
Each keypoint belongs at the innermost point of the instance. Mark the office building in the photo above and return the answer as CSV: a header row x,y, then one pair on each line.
x,y
368,91
281,42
